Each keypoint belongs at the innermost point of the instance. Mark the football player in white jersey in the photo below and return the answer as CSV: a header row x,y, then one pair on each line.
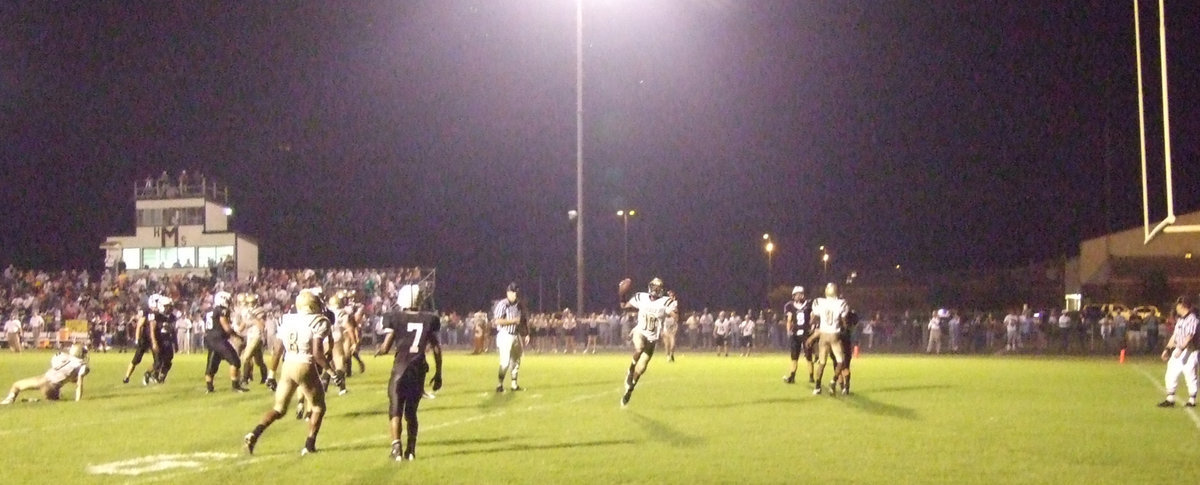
x,y
66,367
337,337
301,343
254,330
670,330
830,314
653,308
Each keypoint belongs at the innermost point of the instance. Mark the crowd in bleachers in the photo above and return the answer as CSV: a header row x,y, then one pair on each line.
x,y
51,307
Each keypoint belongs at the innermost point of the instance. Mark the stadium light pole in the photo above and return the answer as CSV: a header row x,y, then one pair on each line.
x,y
579,157
770,247
625,215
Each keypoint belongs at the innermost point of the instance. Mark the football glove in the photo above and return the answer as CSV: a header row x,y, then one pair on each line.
x,y
339,380
271,384
436,382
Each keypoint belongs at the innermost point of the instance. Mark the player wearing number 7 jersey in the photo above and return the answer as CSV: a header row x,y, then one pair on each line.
x,y
413,331
300,339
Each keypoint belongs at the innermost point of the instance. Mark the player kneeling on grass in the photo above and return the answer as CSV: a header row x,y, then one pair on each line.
x,y
413,331
653,307
300,341
64,367
1181,353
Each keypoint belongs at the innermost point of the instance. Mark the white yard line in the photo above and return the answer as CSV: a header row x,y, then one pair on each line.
x,y
1158,383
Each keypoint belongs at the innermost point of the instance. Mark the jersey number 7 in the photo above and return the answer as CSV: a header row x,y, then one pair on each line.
x,y
418,328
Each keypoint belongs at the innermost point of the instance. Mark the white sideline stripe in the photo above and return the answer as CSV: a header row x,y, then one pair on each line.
x,y
378,437
1191,412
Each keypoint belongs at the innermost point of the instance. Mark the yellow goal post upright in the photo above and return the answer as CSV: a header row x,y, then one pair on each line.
x,y
1167,225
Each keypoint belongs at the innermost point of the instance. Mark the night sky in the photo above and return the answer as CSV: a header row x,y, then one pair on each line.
x,y
939,135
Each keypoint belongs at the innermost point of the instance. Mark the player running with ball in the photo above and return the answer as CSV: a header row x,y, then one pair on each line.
x,y
653,307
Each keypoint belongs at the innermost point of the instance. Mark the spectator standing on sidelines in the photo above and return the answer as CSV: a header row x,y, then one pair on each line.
x,y
1151,325
183,333
12,330
36,322
935,335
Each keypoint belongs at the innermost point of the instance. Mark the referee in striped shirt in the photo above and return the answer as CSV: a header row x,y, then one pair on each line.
x,y
512,334
1180,353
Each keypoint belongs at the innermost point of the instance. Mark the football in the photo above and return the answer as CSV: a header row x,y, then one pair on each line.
x,y
623,287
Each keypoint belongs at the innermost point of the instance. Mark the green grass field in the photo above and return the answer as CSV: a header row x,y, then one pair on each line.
x,y
701,419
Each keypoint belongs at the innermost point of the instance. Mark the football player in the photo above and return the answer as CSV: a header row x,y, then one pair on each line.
x,y
301,341
829,313
338,338
799,313
164,323
846,340
218,330
70,366
413,331
353,331
145,338
653,307
670,330
512,334
254,318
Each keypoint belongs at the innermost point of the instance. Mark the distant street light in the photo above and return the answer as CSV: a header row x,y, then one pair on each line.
x,y
625,215
770,248
825,265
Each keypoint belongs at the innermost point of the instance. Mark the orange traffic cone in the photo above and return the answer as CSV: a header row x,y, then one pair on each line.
x,y
855,351
1122,356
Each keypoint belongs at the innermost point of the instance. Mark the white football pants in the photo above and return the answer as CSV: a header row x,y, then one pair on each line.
x,y
1184,364
510,349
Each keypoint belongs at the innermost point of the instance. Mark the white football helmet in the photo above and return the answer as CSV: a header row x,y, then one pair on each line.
x,y
163,304
221,298
409,297
152,301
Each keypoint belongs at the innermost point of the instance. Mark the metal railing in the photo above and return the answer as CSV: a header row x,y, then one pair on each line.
x,y
172,189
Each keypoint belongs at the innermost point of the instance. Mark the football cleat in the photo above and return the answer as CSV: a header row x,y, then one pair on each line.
x,y
1190,404
789,380
306,450
146,379
397,451
125,381
817,391
250,441
500,388
410,456
239,388
1166,404
516,388
625,398
342,392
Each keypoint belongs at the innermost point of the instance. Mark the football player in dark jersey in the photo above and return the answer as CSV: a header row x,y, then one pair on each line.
x,y
413,332
146,338
799,314
842,377
219,327
165,323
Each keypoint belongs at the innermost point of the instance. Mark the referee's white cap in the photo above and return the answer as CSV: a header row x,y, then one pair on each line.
x,y
798,289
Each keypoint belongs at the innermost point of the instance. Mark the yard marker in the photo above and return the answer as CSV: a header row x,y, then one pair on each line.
x,y
855,351
1122,356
